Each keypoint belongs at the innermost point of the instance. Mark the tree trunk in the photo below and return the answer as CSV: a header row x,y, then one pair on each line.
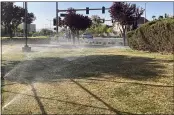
x,y
78,37
73,39
124,39
10,32
69,36
124,35
5,30
73,36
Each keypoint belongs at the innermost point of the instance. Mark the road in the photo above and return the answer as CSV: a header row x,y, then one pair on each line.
x,y
97,41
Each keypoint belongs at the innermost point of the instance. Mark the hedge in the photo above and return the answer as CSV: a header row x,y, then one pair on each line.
x,y
154,36
30,41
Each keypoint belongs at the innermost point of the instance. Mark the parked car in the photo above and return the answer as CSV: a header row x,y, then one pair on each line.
x,y
87,35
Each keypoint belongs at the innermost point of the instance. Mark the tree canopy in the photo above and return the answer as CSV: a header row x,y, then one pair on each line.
x,y
76,21
12,16
126,14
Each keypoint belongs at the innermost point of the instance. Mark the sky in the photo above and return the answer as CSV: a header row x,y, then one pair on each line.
x,y
46,11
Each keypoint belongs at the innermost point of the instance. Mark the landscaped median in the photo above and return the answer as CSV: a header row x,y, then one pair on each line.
x,y
87,81
31,40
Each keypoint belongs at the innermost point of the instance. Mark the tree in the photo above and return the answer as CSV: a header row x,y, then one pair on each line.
x,y
96,20
76,22
126,14
160,17
153,17
46,32
109,30
166,15
12,16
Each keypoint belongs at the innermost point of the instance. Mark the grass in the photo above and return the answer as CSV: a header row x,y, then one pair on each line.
x,y
91,80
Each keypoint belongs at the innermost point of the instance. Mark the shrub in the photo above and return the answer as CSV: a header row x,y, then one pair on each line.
x,y
155,36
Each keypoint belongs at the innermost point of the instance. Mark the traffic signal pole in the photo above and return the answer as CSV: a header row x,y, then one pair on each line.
x,y
57,22
26,48
26,31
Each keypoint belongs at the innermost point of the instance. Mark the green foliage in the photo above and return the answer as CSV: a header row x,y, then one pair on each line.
x,y
155,36
96,20
126,14
12,16
46,32
160,17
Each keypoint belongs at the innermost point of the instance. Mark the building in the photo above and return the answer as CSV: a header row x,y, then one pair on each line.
x,y
117,27
30,27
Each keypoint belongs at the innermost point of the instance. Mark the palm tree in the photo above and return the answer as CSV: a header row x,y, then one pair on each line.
x,y
153,17
96,20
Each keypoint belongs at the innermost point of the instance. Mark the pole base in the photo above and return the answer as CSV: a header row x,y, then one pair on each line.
x,y
26,48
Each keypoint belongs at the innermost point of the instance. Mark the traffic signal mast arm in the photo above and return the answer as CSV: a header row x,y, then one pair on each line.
x,y
83,9
87,9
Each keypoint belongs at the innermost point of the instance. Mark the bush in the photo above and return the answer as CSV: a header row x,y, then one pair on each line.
x,y
154,36
22,40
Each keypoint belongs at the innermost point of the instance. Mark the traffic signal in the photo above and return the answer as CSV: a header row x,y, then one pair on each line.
x,y
87,10
54,28
63,15
54,22
103,10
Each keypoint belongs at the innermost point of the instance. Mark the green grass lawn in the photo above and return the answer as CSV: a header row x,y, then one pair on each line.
x,y
89,80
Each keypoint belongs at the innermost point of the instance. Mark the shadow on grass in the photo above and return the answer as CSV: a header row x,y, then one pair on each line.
x,y
5,68
48,98
37,98
128,82
50,69
99,99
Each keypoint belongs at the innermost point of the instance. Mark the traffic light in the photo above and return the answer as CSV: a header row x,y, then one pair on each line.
x,y
63,15
103,10
87,10
54,28
54,22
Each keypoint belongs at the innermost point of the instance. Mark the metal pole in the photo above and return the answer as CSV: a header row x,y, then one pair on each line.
x,y
145,14
26,23
83,9
57,18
